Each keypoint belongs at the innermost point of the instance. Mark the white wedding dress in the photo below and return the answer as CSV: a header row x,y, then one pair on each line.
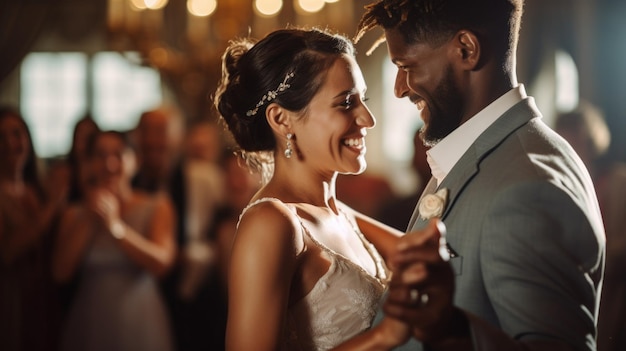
x,y
342,303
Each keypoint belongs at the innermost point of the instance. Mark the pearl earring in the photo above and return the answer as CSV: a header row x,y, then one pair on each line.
x,y
289,150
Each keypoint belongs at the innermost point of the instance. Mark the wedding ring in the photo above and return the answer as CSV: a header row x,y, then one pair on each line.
x,y
418,299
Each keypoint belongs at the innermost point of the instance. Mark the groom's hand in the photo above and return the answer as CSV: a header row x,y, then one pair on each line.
x,y
422,286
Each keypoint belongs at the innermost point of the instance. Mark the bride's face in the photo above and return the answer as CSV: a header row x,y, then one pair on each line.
x,y
331,137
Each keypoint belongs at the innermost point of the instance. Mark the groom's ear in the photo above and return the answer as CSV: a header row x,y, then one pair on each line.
x,y
278,118
467,49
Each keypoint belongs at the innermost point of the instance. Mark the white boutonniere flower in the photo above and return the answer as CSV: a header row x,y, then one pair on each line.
x,y
432,205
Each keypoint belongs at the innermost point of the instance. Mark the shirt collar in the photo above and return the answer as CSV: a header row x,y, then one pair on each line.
x,y
443,156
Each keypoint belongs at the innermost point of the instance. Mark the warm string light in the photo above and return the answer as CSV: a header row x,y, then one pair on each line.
x,y
185,44
310,6
144,18
137,5
201,8
198,27
155,4
267,8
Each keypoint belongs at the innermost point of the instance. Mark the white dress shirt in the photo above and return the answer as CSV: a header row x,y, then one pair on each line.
x,y
443,156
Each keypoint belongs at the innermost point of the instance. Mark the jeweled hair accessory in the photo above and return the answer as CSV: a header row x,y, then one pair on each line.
x,y
271,95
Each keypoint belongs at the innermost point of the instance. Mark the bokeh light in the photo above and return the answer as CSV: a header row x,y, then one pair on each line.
x,y
155,4
267,8
201,8
310,6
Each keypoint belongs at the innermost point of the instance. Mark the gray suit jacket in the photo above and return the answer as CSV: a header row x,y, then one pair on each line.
x,y
523,218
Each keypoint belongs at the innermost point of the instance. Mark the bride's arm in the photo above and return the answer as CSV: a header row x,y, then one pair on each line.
x,y
263,261
387,335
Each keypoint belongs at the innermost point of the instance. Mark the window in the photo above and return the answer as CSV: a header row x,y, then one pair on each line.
x,y
556,86
53,96
57,89
402,118
566,82
123,91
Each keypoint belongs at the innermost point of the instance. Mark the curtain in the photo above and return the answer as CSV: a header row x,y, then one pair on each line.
x,y
21,22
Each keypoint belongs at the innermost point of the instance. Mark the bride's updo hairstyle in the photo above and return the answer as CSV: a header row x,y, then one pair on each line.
x,y
252,72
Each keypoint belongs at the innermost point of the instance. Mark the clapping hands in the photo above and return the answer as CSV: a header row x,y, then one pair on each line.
x,y
104,205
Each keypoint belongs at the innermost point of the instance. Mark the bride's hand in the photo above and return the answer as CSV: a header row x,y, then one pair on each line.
x,y
394,331
386,335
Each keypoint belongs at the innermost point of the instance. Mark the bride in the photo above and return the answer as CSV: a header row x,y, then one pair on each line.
x,y
307,272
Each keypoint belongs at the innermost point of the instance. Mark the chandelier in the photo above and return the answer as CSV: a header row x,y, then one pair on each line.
x,y
184,39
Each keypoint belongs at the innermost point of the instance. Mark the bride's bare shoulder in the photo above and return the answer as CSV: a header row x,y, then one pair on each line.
x,y
270,222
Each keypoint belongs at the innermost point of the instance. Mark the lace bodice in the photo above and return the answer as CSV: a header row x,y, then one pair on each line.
x,y
342,303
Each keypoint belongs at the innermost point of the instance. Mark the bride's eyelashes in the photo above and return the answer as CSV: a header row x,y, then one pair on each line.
x,y
350,100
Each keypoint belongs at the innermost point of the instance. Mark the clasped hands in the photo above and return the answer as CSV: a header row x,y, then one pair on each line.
x,y
104,205
420,299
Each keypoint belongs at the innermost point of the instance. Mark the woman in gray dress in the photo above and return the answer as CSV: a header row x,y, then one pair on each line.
x,y
119,241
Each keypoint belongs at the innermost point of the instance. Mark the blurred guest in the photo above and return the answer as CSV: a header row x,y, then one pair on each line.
x,y
176,163
241,184
208,323
71,172
365,193
398,211
203,142
75,169
27,211
204,184
76,158
120,240
158,136
194,303
587,132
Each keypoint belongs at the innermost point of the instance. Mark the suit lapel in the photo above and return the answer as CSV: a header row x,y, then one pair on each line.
x,y
467,166
460,175
416,219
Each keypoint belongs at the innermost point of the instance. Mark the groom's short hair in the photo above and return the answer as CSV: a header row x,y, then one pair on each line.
x,y
495,22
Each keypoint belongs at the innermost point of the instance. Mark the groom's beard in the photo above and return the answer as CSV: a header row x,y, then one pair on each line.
x,y
445,111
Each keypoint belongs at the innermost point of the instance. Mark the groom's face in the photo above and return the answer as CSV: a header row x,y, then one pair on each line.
x,y
426,77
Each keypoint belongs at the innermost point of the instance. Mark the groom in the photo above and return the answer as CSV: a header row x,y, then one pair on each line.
x,y
524,230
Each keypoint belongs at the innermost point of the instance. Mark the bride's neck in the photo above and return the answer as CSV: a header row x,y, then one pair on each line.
x,y
310,190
